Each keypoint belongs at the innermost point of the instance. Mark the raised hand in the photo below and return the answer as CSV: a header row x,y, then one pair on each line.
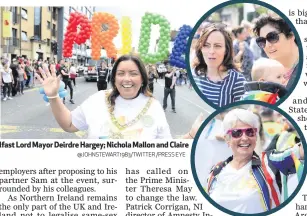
x,y
49,80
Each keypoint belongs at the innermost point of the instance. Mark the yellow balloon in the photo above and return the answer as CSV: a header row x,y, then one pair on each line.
x,y
126,35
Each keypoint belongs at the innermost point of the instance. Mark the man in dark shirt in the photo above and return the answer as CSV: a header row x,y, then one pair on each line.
x,y
13,67
103,72
66,80
169,88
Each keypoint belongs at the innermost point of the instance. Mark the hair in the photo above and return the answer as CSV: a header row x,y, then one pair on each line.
x,y
243,115
4,61
277,22
261,66
246,24
237,31
200,64
144,89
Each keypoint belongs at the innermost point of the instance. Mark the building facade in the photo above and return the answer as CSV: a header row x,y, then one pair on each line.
x,y
34,31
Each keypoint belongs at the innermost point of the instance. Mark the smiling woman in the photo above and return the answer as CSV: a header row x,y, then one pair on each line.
x,y
126,111
246,183
277,39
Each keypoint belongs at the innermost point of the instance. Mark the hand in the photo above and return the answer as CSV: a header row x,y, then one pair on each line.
x,y
197,123
242,48
50,82
171,87
220,138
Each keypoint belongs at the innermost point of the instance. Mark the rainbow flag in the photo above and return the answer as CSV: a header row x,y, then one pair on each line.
x,y
263,96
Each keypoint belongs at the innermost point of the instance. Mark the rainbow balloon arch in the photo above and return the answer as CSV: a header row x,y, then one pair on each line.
x,y
104,39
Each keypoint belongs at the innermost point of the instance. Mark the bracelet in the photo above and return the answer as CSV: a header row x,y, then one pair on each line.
x,y
190,135
52,97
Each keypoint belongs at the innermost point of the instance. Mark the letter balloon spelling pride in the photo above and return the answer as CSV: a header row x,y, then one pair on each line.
x,y
164,39
72,35
179,48
126,35
104,38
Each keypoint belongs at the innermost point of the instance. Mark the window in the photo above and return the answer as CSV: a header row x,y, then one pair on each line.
x,y
24,13
14,33
37,23
48,42
54,14
81,9
24,36
53,30
48,25
14,15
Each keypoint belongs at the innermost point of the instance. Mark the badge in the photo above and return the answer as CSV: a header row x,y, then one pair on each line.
x,y
147,121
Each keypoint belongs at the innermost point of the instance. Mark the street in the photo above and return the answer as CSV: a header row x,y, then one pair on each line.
x,y
30,117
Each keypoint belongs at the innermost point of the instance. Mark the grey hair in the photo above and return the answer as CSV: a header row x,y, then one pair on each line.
x,y
243,115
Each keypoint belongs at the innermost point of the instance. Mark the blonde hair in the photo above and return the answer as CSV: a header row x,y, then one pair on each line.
x,y
261,66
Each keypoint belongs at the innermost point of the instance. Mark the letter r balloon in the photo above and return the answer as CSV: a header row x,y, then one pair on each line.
x,y
103,37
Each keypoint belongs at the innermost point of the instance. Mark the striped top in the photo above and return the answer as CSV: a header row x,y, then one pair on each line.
x,y
223,92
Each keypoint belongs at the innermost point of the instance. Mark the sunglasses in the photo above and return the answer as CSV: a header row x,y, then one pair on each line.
x,y
272,37
237,133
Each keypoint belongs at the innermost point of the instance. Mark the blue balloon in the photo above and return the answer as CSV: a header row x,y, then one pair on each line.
x,y
41,90
45,98
62,86
62,94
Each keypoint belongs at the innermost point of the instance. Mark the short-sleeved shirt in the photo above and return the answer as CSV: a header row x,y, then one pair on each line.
x,y
6,75
65,77
169,81
102,74
223,92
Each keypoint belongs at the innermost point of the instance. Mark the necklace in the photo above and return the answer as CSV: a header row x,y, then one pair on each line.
x,y
133,121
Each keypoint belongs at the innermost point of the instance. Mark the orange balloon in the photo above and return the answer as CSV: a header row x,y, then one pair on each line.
x,y
104,38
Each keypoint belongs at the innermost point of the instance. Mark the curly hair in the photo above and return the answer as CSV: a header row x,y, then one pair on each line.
x,y
280,24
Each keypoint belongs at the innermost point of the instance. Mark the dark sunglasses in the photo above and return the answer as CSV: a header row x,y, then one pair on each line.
x,y
272,37
237,133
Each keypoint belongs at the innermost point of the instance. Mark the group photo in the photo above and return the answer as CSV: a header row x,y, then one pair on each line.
x,y
245,51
